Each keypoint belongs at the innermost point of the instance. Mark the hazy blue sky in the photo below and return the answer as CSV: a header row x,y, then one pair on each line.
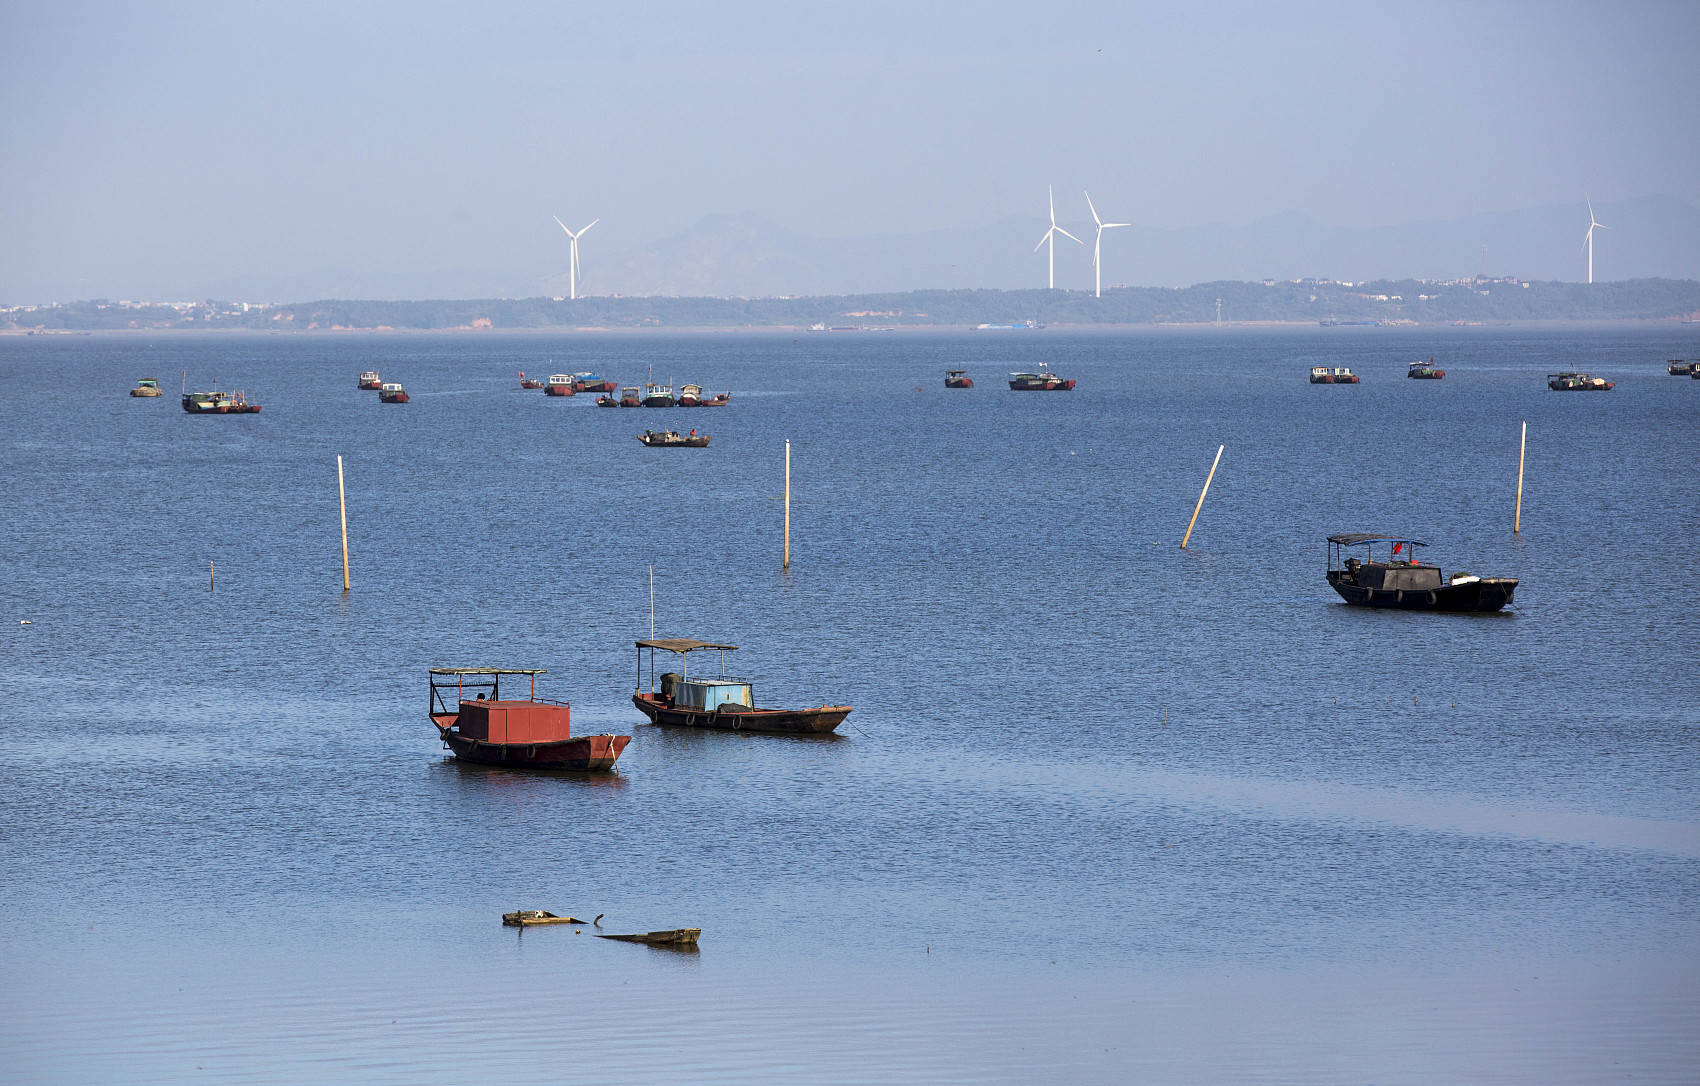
x,y
410,149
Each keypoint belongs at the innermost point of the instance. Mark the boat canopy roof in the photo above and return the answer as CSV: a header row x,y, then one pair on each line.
x,y
1353,539
488,671
680,645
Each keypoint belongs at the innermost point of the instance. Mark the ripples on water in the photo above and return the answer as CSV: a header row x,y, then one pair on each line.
x,y
1107,811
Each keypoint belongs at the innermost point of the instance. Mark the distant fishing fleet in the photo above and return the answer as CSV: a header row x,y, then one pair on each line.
x,y
478,722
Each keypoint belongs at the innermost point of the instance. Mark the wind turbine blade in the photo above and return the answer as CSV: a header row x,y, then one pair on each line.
x,y
1095,217
1113,225
1044,239
561,224
593,222
1590,204
1068,235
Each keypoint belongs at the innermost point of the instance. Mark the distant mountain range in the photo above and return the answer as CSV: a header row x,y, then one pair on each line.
x,y
748,256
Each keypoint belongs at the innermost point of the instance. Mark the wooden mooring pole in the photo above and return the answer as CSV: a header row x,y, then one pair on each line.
x,y
212,576
342,502
1201,494
786,562
1517,517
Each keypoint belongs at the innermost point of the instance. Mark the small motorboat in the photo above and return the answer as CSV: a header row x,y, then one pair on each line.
x,y
1570,381
1043,381
659,396
629,397
392,392
958,379
593,382
1339,375
528,382
607,401
560,384
147,386
370,381
1426,371
673,439
1402,581
724,703
694,396
522,733
1678,367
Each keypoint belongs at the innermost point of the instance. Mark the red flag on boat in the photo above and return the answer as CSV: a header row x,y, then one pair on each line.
x,y
1397,547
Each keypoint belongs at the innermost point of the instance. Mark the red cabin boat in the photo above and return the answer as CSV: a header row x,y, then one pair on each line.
x,y
523,732
560,384
369,381
958,379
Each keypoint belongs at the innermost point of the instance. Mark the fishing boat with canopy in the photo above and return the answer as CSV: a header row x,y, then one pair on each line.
x,y
1399,579
724,702
526,732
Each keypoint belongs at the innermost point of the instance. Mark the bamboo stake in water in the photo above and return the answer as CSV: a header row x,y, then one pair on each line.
x,y
786,564
1517,518
212,577
1201,494
652,601
342,501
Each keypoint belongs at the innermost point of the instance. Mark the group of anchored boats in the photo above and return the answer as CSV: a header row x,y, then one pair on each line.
x,y
478,723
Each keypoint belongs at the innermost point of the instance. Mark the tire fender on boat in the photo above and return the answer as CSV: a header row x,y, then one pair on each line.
x,y
1399,596
1433,597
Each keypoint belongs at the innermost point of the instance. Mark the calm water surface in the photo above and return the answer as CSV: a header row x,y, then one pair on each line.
x,y
1106,811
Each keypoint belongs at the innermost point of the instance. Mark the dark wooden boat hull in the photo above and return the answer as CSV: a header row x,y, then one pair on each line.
x,y
589,752
958,382
558,390
658,441
1431,375
531,384
1487,594
677,937
820,721
392,397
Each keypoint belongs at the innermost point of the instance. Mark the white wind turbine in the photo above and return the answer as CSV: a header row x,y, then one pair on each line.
x,y
1593,224
572,270
1051,236
1098,245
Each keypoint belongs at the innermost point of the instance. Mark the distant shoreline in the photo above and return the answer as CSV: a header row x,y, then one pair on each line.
x,y
1097,328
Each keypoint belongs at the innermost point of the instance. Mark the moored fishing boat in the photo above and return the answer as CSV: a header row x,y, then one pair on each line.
x,y
1426,371
1339,375
369,381
694,396
392,392
1570,381
958,379
528,382
659,396
523,733
147,387
1043,381
629,397
593,382
1678,367
673,439
724,702
218,403
560,384
1402,581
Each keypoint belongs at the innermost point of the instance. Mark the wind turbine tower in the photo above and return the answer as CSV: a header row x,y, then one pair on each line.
x,y
572,268
1098,245
1051,236
1593,224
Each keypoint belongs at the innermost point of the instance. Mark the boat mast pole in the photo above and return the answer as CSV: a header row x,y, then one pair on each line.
x,y
342,502
786,562
1517,517
1201,494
